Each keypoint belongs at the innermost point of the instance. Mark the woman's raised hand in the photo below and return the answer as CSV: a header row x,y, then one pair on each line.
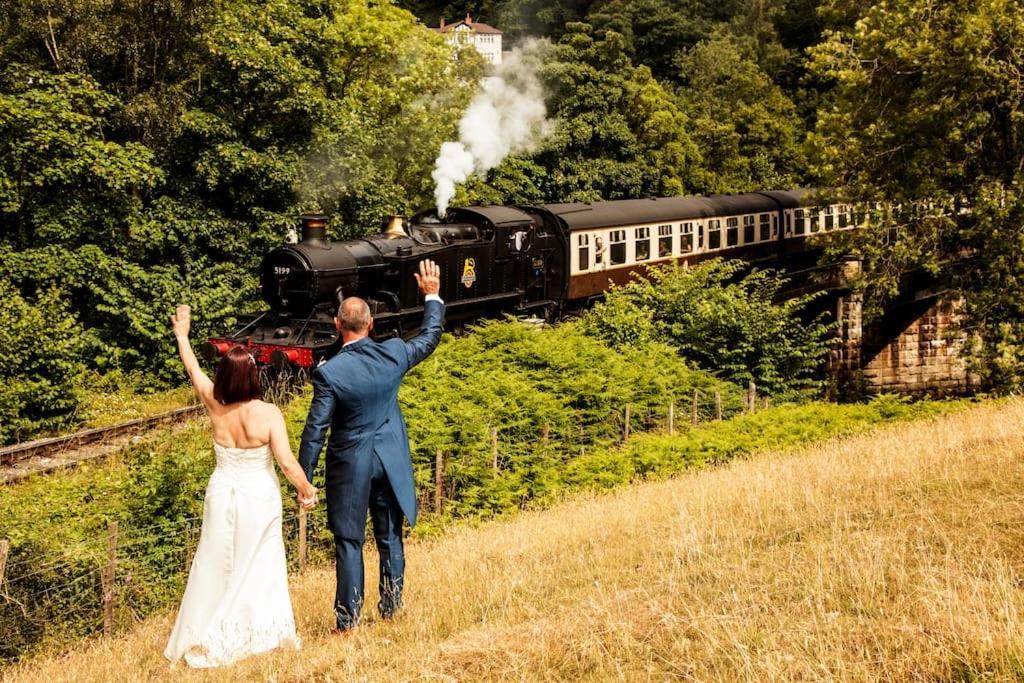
x,y
181,320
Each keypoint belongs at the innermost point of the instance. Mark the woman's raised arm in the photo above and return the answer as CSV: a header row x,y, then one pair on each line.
x,y
181,321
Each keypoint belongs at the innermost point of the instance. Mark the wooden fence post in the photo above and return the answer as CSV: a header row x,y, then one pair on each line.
x,y
5,547
718,405
625,427
303,517
438,480
494,447
109,572
751,396
672,418
693,408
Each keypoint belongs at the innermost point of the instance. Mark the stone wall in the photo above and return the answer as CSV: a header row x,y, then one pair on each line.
x,y
917,349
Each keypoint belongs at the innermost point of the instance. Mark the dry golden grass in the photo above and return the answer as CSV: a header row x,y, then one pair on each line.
x,y
892,556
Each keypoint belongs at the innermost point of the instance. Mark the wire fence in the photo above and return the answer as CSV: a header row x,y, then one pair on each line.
x,y
108,582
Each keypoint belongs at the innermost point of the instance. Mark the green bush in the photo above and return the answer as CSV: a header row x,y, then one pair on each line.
x,y
521,380
41,348
723,319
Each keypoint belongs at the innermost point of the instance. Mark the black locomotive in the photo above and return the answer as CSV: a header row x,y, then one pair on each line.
x,y
516,259
492,259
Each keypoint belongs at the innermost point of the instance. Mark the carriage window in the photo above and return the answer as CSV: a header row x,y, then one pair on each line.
x,y
732,232
686,238
664,241
815,220
830,218
714,234
789,223
643,243
700,235
748,230
801,223
775,225
583,242
844,216
618,247
766,227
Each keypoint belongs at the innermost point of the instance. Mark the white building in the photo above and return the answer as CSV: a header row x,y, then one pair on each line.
x,y
486,39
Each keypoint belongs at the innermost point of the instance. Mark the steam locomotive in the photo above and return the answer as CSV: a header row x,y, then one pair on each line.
x,y
525,260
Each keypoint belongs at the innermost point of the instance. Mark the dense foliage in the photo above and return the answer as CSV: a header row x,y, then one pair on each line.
x,y
151,153
925,111
722,318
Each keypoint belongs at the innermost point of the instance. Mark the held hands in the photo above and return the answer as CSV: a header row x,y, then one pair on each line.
x,y
181,320
429,277
307,498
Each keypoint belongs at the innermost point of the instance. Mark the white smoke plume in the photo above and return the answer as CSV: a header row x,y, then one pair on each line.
x,y
507,116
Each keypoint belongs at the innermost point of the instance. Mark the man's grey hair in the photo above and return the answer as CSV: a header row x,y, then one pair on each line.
x,y
354,315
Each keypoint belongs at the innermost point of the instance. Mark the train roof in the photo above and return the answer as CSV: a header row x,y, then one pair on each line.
x,y
606,214
497,215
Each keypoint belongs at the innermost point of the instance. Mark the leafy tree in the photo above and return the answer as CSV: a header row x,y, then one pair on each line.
x,y
746,127
618,133
927,116
37,392
721,319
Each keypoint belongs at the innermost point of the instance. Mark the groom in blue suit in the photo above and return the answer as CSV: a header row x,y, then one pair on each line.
x,y
355,395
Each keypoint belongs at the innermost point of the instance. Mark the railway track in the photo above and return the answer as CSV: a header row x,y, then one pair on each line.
x,y
16,454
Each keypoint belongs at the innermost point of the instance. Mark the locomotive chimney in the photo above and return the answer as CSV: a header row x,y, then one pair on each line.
x,y
314,228
395,228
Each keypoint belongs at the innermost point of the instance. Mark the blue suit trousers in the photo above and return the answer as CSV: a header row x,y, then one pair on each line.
x,y
386,518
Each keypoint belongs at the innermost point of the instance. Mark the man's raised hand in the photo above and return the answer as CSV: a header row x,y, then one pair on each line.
x,y
429,277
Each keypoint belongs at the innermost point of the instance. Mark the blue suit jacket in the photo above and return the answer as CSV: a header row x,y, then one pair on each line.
x,y
355,395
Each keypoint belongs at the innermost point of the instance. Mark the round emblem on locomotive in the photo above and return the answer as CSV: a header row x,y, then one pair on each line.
x,y
469,272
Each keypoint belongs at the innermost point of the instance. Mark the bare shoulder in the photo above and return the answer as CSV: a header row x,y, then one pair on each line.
x,y
266,410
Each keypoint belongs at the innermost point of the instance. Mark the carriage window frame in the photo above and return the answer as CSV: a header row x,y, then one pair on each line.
x,y
642,244
732,231
686,237
799,222
764,227
666,241
714,234
617,248
749,229
583,251
815,226
830,217
844,216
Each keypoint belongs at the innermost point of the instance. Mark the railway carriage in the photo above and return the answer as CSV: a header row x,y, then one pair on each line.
x,y
538,259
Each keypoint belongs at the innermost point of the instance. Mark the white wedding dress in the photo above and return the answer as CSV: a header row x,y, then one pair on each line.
x,y
236,603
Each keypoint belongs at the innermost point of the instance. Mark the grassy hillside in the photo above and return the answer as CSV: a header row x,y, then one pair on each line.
x,y
895,555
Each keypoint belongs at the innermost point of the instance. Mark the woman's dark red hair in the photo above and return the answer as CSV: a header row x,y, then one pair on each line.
x,y
237,378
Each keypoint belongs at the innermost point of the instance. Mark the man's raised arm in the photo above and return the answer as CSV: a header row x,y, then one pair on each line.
x,y
424,343
321,410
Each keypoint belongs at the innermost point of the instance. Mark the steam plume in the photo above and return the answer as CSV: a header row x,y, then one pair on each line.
x,y
507,116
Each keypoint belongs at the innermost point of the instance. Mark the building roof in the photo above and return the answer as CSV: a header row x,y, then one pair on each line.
x,y
468,22
668,209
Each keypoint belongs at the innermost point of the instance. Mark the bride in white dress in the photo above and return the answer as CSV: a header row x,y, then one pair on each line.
x,y
236,603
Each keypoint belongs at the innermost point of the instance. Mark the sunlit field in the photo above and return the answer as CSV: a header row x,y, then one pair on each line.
x,y
892,556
